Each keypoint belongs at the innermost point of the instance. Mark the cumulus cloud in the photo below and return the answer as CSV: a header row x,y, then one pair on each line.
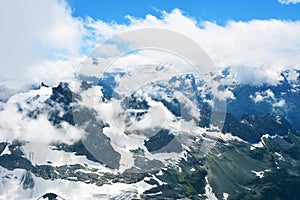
x,y
280,103
17,125
39,40
262,96
257,50
289,1
34,31
53,71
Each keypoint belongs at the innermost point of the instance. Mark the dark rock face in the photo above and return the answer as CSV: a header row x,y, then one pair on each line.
x,y
78,148
62,94
62,97
134,102
173,106
13,161
3,146
27,181
159,140
96,145
85,85
15,148
105,154
50,196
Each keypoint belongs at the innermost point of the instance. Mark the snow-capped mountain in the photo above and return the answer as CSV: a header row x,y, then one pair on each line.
x,y
84,140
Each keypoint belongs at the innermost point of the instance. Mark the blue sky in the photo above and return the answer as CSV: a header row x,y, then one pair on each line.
x,y
218,11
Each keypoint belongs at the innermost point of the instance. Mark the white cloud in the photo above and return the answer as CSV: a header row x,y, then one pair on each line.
x,y
280,103
262,96
267,96
37,37
289,1
16,125
257,50
53,72
33,31
258,98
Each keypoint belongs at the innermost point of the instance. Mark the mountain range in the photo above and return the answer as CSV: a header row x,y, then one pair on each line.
x,y
85,140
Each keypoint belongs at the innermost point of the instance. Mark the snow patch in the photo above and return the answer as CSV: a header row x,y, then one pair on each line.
x,y
209,192
280,157
225,196
258,174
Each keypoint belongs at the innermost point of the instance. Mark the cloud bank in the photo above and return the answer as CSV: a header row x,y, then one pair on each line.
x,y
42,40
34,31
257,50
